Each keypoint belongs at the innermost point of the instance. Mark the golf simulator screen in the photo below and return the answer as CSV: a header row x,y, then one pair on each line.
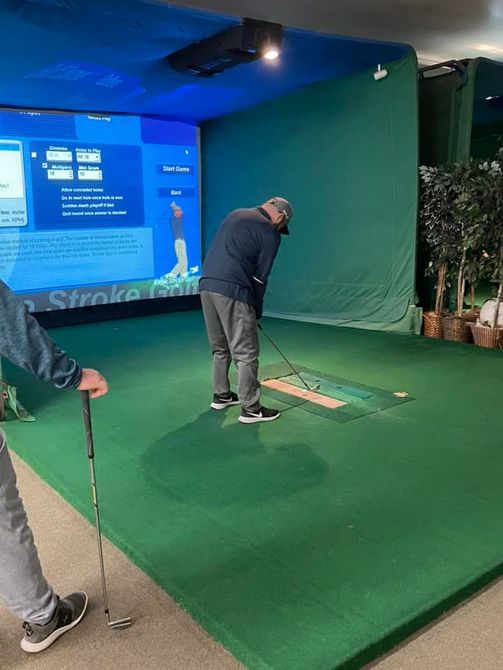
x,y
98,208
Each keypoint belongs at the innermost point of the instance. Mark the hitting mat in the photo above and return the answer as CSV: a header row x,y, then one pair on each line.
x,y
303,544
332,397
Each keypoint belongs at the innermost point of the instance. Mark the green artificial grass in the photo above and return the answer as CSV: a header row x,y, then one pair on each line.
x,y
304,544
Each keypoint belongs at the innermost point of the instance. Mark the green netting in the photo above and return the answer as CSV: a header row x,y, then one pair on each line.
x,y
345,153
361,399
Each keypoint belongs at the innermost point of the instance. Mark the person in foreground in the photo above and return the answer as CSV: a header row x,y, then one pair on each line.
x,y
232,287
23,587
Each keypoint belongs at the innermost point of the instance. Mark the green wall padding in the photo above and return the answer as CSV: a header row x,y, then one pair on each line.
x,y
346,154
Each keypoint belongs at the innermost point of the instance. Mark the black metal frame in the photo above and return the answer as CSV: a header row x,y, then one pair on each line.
x,y
454,66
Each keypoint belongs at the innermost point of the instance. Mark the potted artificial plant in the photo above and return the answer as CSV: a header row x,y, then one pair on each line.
x,y
471,216
488,331
439,232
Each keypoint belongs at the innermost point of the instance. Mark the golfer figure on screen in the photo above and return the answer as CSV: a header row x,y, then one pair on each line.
x,y
233,286
182,265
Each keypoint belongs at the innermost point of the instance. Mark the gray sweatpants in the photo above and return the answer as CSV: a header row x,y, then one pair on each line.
x,y
232,332
23,587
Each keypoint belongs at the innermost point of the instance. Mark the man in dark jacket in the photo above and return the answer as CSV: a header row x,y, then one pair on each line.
x,y
23,587
232,287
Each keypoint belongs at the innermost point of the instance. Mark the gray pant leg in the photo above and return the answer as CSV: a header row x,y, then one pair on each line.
x,y
238,322
23,587
219,345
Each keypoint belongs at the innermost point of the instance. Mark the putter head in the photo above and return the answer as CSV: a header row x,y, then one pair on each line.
x,y
120,623
316,387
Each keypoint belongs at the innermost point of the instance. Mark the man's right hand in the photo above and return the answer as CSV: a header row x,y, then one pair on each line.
x,y
93,382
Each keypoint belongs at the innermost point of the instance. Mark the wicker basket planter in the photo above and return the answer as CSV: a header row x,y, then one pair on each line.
x,y
457,328
433,326
489,338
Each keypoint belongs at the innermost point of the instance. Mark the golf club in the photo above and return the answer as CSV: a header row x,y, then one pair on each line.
x,y
86,413
296,372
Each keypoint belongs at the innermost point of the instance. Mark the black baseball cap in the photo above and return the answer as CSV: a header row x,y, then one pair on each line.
x,y
283,207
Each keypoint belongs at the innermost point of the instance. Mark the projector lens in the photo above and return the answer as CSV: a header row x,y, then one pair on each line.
x,y
271,54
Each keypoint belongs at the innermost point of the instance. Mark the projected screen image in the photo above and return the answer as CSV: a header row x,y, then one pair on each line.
x,y
98,209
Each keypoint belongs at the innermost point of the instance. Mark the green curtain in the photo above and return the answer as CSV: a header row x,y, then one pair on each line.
x,y
487,126
457,120
445,116
345,153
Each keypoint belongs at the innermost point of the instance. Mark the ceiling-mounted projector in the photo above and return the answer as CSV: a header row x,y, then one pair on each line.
x,y
244,43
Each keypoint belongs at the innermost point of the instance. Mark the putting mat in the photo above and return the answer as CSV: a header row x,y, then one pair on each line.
x,y
302,544
355,399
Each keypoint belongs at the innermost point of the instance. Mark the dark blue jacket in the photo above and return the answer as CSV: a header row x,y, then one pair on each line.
x,y
240,257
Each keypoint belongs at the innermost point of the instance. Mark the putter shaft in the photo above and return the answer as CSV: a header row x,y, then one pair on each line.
x,y
94,494
296,372
86,413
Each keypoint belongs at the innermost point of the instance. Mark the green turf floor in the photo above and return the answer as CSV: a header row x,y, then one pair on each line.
x,y
303,544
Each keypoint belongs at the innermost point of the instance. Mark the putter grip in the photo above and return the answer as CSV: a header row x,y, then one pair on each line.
x,y
86,414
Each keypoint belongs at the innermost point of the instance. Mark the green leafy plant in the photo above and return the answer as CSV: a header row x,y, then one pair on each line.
x,y
461,219
493,173
471,212
438,226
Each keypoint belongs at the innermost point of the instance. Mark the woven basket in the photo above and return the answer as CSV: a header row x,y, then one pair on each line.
x,y
470,316
433,326
489,338
457,328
